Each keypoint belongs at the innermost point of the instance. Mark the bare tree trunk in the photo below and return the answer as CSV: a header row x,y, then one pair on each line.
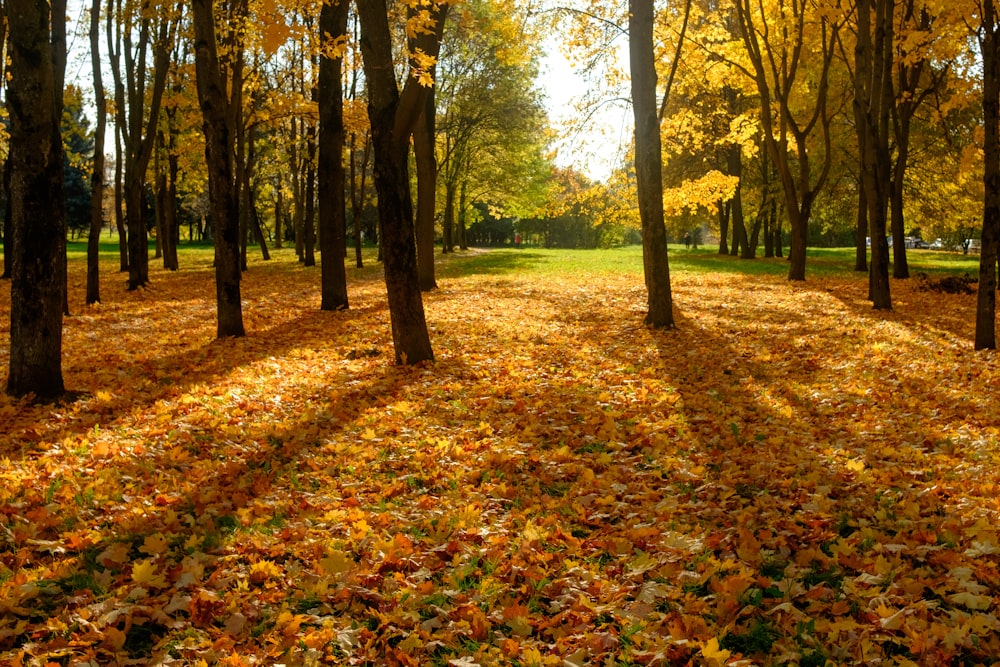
x,y
37,245
426,163
393,117
97,174
986,301
330,168
649,165
219,144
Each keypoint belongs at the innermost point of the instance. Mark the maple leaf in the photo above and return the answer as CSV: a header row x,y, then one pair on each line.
x,y
146,573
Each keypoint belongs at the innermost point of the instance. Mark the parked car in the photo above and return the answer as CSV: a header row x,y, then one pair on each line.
x,y
937,244
915,242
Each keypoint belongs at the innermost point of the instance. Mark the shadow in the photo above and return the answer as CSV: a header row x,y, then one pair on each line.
x,y
767,464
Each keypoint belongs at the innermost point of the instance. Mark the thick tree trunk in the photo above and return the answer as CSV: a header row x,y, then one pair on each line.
x,y
987,297
332,137
649,164
219,144
393,117
37,245
97,174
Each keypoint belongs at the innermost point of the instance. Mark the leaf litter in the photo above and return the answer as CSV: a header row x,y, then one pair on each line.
x,y
786,478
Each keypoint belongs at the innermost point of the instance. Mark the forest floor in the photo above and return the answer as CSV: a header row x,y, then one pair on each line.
x,y
788,477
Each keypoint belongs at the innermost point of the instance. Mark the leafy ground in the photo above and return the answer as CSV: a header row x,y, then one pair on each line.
x,y
788,477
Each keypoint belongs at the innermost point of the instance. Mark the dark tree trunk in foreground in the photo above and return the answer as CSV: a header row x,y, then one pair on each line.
x,y
332,202
649,164
873,102
37,246
97,176
393,116
219,158
987,299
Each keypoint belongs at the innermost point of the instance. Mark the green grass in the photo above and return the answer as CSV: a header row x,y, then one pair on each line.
x,y
821,262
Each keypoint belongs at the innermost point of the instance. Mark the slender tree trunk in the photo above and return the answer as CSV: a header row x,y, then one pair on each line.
x,y
861,233
279,212
448,223
119,200
724,211
987,297
358,196
332,136
900,264
219,157
97,175
249,200
463,242
426,164
37,245
309,217
649,165
873,99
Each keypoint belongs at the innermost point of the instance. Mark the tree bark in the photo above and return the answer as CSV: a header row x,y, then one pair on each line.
x,y
393,116
332,137
97,175
987,295
649,165
37,245
219,144
873,100
426,164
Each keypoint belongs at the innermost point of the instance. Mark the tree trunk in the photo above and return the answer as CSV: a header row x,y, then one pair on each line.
x,y
219,144
119,200
724,211
139,140
249,200
649,165
309,216
358,196
873,99
426,163
448,222
279,212
861,233
97,174
393,117
987,297
900,265
37,245
332,207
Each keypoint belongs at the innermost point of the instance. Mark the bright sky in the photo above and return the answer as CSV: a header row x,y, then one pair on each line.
x,y
601,146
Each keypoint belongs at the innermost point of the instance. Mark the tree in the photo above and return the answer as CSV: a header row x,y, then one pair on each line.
x,y
97,167
781,39
78,151
37,246
218,129
648,165
989,43
137,127
330,169
393,116
873,106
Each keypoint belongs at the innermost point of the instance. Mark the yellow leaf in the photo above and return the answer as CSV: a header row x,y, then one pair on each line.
x,y
336,562
714,654
154,545
144,574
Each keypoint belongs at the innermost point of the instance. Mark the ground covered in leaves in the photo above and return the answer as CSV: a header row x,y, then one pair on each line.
x,y
786,478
